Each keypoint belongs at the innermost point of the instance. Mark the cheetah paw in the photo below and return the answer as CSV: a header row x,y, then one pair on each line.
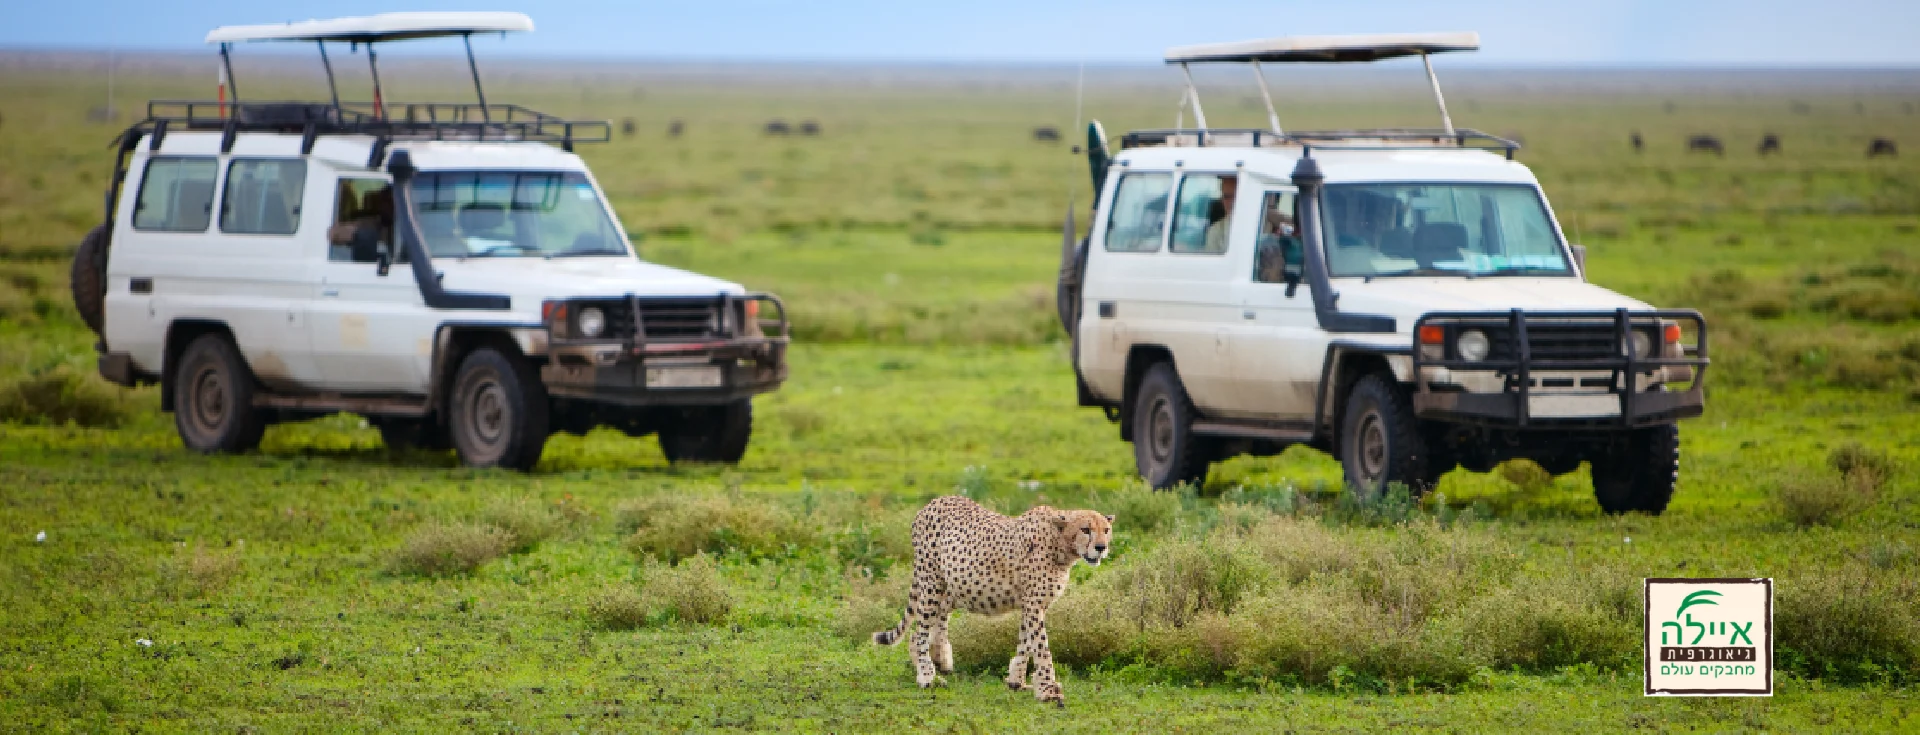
x,y
1016,685
938,681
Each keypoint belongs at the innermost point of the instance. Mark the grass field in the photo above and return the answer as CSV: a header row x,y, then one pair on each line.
x,y
326,583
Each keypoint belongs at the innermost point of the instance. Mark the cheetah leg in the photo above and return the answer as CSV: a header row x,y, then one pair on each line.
x,y
942,648
926,604
1033,631
1017,669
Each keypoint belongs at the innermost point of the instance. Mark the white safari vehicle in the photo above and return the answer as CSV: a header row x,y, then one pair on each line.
x,y
451,271
1402,299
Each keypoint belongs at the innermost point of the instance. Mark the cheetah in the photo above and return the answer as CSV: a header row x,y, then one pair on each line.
x,y
966,557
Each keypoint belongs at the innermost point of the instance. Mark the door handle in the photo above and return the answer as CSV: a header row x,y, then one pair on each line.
x,y
1246,315
329,292
1106,310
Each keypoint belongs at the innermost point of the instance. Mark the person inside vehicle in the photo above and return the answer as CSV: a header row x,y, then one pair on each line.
x,y
368,233
1221,215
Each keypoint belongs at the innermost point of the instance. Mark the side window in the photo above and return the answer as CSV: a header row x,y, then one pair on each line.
x,y
1139,213
263,196
176,195
362,222
1278,258
1204,213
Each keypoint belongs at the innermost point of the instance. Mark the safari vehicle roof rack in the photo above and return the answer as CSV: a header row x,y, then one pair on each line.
x,y
1325,49
1332,140
379,118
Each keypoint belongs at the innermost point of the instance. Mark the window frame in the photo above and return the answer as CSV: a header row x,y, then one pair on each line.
x,y
1173,212
1166,220
226,189
146,177
1553,222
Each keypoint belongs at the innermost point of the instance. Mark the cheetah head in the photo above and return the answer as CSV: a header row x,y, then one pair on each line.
x,y
1087,532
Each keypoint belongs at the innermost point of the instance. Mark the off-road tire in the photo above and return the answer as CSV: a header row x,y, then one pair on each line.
x,y
497,414
1641,473
407,434
1380,441
708,433
89,279
1165,449
213,398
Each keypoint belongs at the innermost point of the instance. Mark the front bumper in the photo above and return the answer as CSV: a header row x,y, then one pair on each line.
x,y
633,370
1620,390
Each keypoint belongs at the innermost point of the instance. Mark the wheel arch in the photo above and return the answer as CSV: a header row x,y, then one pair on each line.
x,y
1345,363
454,340
1140,358
180,333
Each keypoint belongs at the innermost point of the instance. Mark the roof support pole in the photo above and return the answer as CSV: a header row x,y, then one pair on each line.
x,y
485,116
1199,115
379,104
226,60
1273,118
328,65
1446,121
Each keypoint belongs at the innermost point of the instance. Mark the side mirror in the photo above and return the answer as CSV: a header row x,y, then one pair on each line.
x,y
1580,258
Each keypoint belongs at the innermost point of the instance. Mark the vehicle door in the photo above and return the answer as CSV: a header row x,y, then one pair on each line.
x,y
1278,346
1162,278
372,331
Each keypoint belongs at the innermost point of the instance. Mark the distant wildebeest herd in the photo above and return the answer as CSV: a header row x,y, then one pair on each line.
x,y
1769,145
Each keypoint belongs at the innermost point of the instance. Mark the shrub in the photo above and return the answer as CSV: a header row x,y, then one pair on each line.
x,y
1137,507
619,607
525,520
690,592
873,604
1850,624
1525,474
439,549
197,572
60,396
1866,467
1819,500
678,527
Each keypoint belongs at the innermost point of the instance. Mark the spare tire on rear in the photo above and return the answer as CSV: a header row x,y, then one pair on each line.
x,y
89,279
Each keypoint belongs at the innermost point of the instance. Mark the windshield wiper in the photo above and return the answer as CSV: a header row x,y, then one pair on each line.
x,y
1423,272
1529,272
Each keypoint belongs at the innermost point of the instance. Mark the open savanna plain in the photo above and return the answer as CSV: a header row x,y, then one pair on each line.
x,y
325,583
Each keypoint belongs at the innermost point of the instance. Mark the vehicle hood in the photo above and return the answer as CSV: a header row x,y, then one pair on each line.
x,y
532,280
1408,298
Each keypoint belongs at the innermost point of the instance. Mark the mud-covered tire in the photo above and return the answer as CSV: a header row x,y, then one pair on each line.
x,y
213,398
498,412
1165,449
1641,473
89,279
1380,441
708,433
411,434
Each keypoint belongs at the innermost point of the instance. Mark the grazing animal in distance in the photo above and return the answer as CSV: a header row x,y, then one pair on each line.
x,y
1638,144
1769,144
626,127
1046,134
809,127
966,557
1706,144
777,127
1883,147
675,128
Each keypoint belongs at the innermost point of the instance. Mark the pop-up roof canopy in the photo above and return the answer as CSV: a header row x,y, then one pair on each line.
x,y
1368,47
376,28
1357,48
370,30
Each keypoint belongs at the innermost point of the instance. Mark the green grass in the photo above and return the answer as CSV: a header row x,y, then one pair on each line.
x,y
328,583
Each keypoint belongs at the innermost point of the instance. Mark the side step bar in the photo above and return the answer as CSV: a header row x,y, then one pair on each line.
x,y
1295,434
408,406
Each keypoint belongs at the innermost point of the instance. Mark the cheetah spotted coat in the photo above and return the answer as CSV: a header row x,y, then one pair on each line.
x,y
966,557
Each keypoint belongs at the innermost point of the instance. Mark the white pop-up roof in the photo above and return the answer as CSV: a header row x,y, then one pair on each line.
x,y
377,28
1365,47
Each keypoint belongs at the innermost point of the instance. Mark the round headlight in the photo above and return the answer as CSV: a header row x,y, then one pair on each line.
x,y
1472,345
592,322
1642,343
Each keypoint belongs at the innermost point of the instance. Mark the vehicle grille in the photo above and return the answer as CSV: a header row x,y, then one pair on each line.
x,y
1556,341
667,319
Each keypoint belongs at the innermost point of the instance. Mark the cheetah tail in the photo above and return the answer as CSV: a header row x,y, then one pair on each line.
x,y
890,637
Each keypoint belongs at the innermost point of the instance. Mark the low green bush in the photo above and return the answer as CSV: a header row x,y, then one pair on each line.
x,y
438,549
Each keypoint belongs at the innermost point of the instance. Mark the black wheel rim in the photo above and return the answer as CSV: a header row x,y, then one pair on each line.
x,y
207,398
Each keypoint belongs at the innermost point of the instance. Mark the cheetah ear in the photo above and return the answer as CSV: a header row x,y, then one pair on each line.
x,y
1109,517
1060,521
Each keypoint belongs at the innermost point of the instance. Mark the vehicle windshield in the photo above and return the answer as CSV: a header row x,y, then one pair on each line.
x,y
1440,230
492,214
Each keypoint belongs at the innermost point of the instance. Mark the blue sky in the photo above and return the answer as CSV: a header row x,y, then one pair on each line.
x,y
1586,33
